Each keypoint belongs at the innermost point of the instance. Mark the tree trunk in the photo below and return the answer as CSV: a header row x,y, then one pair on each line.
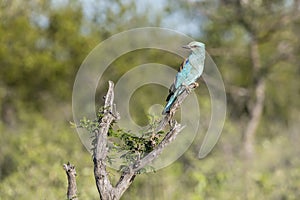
x,y
257,108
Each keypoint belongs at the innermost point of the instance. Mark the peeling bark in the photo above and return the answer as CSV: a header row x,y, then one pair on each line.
x,y
72,188
103,184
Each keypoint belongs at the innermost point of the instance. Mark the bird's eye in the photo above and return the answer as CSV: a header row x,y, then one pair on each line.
x,y
194,46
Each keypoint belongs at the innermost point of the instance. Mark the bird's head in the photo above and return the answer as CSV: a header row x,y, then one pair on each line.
x,y
195,46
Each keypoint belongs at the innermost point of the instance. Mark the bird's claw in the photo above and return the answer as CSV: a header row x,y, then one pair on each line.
x,y
194,85
189,88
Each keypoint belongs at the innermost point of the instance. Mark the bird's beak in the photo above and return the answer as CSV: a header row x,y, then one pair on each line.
x,y
186,47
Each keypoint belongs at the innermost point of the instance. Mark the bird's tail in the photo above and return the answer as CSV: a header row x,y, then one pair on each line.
x,y
171,99
169,104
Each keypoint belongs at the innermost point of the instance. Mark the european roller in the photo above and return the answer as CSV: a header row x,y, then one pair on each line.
x,y
188,73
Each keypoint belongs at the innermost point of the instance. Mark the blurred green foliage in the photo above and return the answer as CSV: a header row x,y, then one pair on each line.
x,y
42,44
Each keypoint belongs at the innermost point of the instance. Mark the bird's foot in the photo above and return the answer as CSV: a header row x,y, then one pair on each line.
x,y
194,85
189,88
172,122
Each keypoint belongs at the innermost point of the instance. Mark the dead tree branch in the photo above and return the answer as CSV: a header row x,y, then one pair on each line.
x,y
72,188
105,188
129,175
171,135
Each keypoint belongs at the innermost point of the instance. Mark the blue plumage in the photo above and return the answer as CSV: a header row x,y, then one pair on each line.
x,y
189,71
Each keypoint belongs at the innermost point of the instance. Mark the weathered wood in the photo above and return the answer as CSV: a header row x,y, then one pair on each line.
x,y
72,188
124,182
170,136
128,176
106,190
104,186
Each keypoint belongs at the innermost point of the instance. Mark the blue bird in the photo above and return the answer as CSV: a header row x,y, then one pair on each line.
x,y
189,71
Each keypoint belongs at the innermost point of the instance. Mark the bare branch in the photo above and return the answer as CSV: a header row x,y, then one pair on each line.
x,y
129,175
171,135
106,120
72,188
125,181
104,186
106,190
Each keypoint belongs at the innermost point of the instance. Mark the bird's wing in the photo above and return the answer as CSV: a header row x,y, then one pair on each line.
x,y
182,64
173,86
181,74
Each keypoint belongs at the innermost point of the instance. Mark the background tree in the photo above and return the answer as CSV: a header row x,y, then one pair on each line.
x,y
255,45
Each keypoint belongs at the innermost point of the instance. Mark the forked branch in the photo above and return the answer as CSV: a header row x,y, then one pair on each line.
x,y
105,188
